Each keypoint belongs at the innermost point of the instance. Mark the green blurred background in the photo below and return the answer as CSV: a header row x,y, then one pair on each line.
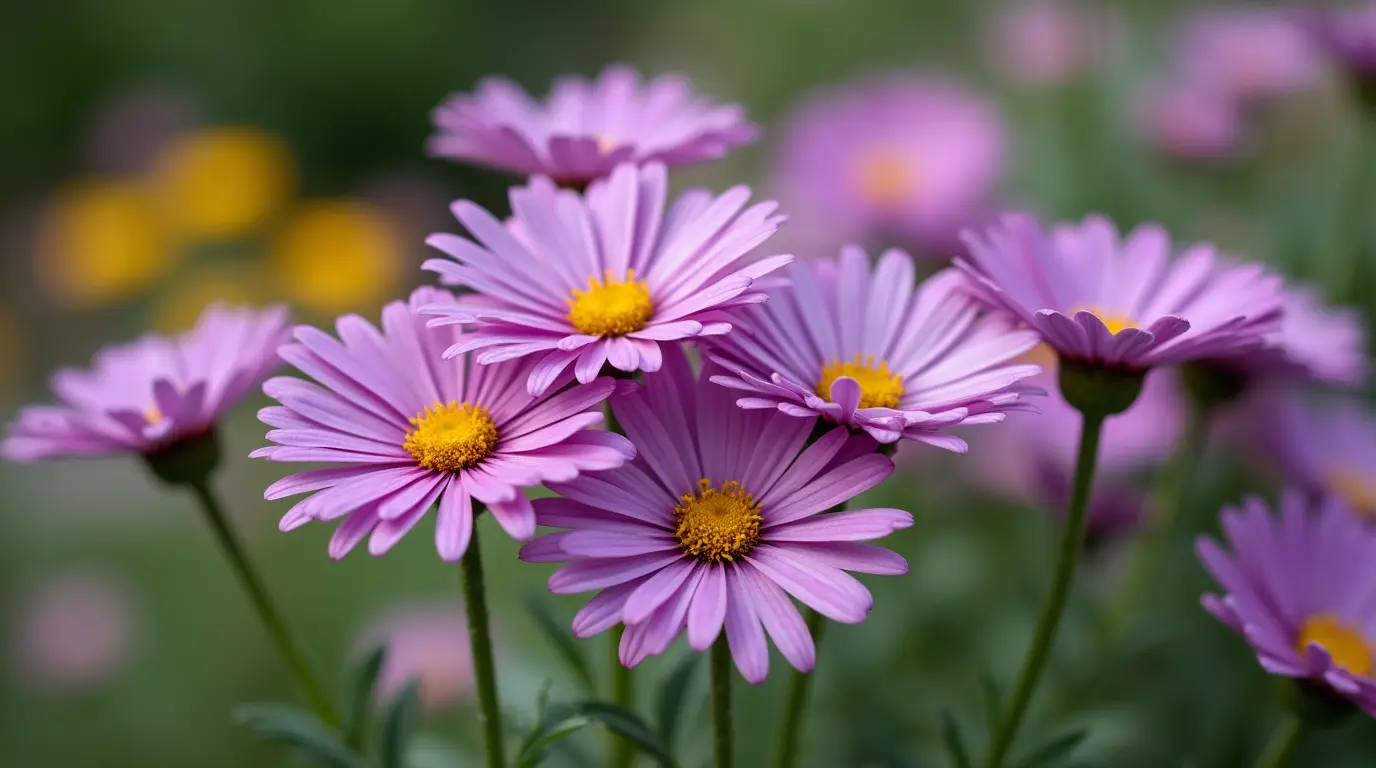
x,y
155,155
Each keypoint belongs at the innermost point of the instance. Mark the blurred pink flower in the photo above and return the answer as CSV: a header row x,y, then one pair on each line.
x,y
1243,53
75,631
428,643
1187,121
1348,37
1042,43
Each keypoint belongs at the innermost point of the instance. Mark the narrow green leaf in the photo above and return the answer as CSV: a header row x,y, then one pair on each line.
x,y
361,699
627,725
397,730
562,639
534,751
288,725
993,701
1056,751
955,743
672,694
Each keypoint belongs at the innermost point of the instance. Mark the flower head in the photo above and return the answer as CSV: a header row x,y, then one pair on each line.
x,y
1247,54
716,524
1348,36
428,644
1122,302
1314,342
1051,42
1325,449
1190,122
908,155
412,430
869,349
146,395
602,277
1298,588
75,632
586,128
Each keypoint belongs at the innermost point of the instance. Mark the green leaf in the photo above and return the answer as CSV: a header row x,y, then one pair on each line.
x,y
559,635
361,699
397,729
955,743
672,695
993,701
286,724
627,725
534,750
1056,751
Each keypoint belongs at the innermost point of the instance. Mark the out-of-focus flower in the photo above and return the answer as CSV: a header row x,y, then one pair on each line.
x,y
428,644
101,241
145,395
1190,122
223,182
1348,37
602,277
413,430
908,155
1314,342
74,632
1246,54
336,256
127,130
181,302
1298,588
868,349
1127,302
1324,449
1042,43
716,524
586,128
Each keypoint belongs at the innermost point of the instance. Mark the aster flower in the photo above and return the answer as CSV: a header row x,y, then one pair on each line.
x,y
1125,303
411,431
1298,587
1313,342
1324,449
1348,36
424,643
602,277
716,524
1190,122
586,128
1247,54
147,395
909,155
867,349
1051,42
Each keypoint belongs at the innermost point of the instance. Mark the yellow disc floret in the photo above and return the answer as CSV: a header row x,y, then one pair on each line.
x,y
448,438
716,524
611,307
885,177
1113,321
1344,643
879,387
1355,488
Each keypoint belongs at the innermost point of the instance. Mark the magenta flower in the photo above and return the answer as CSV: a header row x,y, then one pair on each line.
x,y
585,129
1347,36
1190,122
1122,302
1246,54
411,431
716,524
1051,42
867,349
1299,589
146,395
426,643
1324,449
906,155
602,277
1313,342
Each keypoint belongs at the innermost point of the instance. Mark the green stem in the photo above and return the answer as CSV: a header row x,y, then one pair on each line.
x,y
721,701
480,639
1054,606
1283,743
287,647
798,689
623,695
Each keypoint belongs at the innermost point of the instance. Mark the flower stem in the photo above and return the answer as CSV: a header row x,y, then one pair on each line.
x,y
287,647
480,639
1283,743
623,695
798,689
1054,606
721,701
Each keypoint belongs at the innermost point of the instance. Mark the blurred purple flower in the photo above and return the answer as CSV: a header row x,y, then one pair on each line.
x,y
716,524
1042,43
1298,587
1126,302
429,644
413,431
1323,448
866,348
1348,37
1245,54
586,128
1314,342
74,632
1188,121
143,396
907,155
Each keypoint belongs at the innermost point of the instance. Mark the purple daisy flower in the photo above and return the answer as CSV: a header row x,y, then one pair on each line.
x,y
586,128
1313,342
716,524
1247,54
1048,43
1190,122
1299,589
411,432
1325,449
1122,302
867,349
146,395
601,277
1348,36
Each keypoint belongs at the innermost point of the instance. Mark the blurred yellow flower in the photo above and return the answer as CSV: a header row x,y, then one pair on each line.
x,y
101,242
179,305
11,354
223,182
333,256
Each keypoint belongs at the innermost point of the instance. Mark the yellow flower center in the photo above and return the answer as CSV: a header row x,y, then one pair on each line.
x,y
611,307
151,414
606,143
1114,321
879,387
717,524
1348,648
885,177
448,438
1355,488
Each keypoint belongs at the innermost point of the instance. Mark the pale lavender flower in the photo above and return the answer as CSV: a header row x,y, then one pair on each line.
x,y
1348,37
1042,43
74,631
427,644
1246,54
1191,122
1323,448
1314,342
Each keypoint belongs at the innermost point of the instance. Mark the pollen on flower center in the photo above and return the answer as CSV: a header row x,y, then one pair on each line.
x,y
879,387
611,307
606,143
1344,643
884,177
716,524
448,438
1355,488
152,414
1113,321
